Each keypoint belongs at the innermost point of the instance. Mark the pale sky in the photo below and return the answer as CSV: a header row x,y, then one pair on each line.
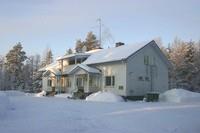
x,y
57,24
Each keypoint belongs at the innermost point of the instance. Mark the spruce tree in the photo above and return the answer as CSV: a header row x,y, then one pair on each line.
x,y
49,57
14,66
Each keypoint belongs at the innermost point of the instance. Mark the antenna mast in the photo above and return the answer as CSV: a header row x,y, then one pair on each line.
x,y
99,20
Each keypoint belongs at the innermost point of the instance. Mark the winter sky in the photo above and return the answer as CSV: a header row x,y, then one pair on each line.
x,y
39,24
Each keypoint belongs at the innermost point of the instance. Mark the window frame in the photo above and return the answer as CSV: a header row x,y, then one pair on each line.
x,y
112,81
146,60
49,83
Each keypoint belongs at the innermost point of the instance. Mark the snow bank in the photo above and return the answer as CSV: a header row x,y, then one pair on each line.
x,y
41,94
179,95
64,95
4,104
104,97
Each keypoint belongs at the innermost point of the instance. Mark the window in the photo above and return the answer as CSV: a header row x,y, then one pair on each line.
x,y
79,82
49,82
68,82
110,81
121,87
147,79
71,62
78,61
113,81
146,60
140,78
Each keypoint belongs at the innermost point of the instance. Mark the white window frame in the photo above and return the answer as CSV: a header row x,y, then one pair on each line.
x,y
112,82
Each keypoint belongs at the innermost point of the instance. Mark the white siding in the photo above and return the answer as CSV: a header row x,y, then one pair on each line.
x,y
136,68
71,88
45,84
117,69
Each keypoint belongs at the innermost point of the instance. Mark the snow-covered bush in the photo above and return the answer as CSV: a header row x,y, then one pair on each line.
x,y
104,97
179,95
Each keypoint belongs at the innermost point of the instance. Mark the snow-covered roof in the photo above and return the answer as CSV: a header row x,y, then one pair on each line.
x,y
51,67
73,55
93,51
113,54
68,69
86,68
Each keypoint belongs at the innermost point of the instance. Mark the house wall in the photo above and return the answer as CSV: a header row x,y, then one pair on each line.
x,y
45,83
157,69
69,88
117,69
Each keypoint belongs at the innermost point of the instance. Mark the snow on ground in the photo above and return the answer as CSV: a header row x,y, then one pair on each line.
x,y
64,95
41,94
14,93
31,114
179,95
104,97
4,104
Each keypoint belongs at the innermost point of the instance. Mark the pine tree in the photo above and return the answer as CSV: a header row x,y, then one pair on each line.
x,y
1,73
14,66
47,58
69,51
196,78
79,46
91,41
28,73
182,55
37,75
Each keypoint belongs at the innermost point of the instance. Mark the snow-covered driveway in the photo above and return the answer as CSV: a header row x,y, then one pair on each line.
x,y
27,114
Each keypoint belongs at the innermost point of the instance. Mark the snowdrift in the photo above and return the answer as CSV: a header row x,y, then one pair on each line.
x,y
64,95
179,95
41,94
104,97
4,104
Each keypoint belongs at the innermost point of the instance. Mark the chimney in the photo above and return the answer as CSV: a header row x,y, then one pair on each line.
x,y
119,44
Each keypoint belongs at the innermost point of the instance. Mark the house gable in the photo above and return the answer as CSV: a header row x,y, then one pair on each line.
x,y
144,77
85,68
157,50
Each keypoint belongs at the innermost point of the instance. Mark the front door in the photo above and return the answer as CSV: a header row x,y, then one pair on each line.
x,y
80,83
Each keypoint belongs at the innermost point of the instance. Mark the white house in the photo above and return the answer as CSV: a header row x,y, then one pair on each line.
x,y
126,70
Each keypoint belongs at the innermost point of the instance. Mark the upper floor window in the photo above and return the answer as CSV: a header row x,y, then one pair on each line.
x,y
146,60
71,62
149,60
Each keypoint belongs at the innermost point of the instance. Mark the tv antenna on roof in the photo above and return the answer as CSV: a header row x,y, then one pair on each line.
x,y
99,20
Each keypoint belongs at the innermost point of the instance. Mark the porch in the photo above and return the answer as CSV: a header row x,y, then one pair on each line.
x,y
81,78
86,79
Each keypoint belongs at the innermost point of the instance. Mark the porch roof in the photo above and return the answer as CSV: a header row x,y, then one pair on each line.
x,y
74,55
68,69
84,67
